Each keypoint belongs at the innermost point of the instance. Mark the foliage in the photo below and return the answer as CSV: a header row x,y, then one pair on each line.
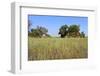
x,y
43,30
63,30
38,32
73,31
82,34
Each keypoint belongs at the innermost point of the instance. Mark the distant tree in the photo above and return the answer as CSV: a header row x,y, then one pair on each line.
x,y
63,30
29,25
39,31
43,30
35,33
73,31
82,34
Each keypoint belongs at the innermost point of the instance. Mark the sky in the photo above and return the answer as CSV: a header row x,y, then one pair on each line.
x,y
53,23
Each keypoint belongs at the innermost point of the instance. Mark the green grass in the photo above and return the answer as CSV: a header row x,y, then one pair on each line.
x,y
57,48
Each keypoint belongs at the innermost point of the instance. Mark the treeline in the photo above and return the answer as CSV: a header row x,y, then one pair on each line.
x,y
64,31
39,32
71,31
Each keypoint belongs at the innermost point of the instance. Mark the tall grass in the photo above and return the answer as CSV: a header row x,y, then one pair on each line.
x,y
57,48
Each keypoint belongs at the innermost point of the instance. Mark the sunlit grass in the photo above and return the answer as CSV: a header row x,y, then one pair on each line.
x,y
57,48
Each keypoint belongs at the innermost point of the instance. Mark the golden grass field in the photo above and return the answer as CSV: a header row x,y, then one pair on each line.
x,y
57,48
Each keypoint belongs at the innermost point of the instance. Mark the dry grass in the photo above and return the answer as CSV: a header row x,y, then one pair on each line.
x,y
57,48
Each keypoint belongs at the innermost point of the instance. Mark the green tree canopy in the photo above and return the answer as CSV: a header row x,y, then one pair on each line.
x,y
82,34
43,30
38,32
63,31
73,30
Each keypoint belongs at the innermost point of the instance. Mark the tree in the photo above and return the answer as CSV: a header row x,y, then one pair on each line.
x,y
35,33
82,34
39,31
73,31
29,25
63,31
43,30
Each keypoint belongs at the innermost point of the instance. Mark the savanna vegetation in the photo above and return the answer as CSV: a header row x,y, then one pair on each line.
x,y
70,44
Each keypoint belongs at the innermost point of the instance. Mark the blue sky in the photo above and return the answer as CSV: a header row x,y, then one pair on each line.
x,y
53,23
